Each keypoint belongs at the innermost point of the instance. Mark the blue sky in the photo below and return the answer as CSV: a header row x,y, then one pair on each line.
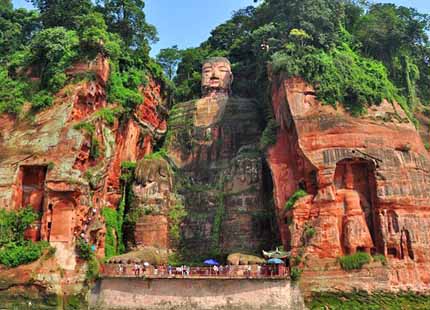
x,y
187,23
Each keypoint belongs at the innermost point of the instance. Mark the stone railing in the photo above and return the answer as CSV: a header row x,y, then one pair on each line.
x,y
242,271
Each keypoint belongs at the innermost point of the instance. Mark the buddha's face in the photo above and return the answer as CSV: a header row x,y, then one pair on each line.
x,y
216,77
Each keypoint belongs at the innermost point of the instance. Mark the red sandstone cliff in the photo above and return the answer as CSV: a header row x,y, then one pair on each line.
x,y
47,162
368,184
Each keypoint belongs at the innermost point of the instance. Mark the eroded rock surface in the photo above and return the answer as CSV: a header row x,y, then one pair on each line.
x,y
368,184
66,162
213,142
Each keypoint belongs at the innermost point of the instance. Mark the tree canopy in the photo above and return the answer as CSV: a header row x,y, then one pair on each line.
x,y
325,42
36,48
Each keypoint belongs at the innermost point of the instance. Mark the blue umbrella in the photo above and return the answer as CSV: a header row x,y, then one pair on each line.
x,y
211,262
275,261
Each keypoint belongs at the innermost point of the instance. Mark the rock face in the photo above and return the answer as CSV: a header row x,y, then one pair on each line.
x,y
213,142
66,162
367,179
153,199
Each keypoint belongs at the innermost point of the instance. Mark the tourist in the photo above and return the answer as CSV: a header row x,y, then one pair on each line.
x,y
169,270
136,269
248,271
227,269
258,270
216,269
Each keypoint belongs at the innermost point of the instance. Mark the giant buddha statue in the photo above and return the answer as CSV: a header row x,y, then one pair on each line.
x,y
213,142
216,77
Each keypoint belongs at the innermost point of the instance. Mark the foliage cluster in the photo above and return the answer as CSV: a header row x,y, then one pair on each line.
x,y
354,261
380,258
289,205
339,75
14,250
90,130
114,226
269,135
361,300
127,171
353,52
217,224
83,249
176,215
295,273
38,46
160,154
14,254
108,115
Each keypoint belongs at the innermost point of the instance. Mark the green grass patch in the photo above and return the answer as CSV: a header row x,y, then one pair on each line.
x,y
380,258
160,154
354,261
364,301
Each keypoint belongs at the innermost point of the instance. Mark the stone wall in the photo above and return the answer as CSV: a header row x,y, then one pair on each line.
x,y
187,294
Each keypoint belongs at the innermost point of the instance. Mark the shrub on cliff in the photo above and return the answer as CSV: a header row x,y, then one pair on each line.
x,y
354,261
15,254
13,224
14,250
83,249
268,137
11,93
340,75
289,205
295,273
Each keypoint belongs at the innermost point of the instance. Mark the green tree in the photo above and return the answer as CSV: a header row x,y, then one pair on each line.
x,y
62,13
11,93
95,38
52,50
188,76
169,58
398,37
127,18
16,29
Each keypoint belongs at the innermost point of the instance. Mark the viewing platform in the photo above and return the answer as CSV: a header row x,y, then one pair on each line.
x,y
249,272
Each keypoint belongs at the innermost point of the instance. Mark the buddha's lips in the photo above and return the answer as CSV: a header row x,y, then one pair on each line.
x,y
214,81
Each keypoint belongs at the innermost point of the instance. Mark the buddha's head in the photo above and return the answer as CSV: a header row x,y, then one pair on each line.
x,y
216,76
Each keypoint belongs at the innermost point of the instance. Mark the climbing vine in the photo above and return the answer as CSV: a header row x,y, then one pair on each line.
x,y
114,219
217,225
176,215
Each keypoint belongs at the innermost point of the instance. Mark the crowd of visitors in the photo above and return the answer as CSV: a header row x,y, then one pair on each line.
x,y
244,271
